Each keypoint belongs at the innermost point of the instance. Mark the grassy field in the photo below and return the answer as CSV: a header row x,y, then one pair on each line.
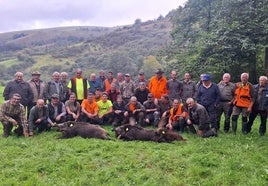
x,y
45,160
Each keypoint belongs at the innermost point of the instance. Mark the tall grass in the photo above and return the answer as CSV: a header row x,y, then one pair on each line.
x,y
45,160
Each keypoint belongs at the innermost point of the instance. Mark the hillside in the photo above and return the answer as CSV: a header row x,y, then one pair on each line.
x,y
91,48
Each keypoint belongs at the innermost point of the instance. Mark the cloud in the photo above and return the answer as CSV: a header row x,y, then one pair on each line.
x,y
33,14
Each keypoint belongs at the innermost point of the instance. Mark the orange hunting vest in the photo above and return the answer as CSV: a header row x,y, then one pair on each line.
x,y
242,95
179,112
107,84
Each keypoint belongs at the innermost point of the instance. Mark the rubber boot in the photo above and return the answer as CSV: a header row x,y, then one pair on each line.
x,y
234,126
244,125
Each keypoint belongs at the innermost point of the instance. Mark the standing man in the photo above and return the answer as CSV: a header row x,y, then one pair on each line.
x,y
158,84
108,81
64,81
119,80
38,88
174,86
243,102
55,87
141,79
20,87
127,88
101,79
189,88
227,90
260,105
93,83
79,85
12,114
209,96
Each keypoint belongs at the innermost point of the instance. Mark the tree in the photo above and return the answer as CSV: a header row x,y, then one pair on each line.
x,y
150,65
220,36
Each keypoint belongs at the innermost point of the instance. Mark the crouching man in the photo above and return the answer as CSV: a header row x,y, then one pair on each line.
x,y
198,116
38,117
178,113
135,110
12,114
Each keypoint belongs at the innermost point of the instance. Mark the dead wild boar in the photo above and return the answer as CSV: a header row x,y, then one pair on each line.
x,y
166,135
71,129
130,132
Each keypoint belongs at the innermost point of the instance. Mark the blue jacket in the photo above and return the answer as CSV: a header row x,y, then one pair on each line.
x,y
208,96
262,104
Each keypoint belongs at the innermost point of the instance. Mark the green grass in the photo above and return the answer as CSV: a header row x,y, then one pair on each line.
x,y
45,160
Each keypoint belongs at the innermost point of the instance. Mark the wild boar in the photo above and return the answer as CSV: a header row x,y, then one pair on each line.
x,y
85,130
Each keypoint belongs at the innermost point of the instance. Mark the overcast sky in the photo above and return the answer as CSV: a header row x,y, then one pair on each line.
x,y
33,14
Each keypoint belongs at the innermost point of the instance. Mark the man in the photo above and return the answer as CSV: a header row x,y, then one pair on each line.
x,y
177,118
108,81
152,114
101,79
56,110
174,86
20,87
12,114
55,87
189,89
260,105
38,117
209,96
198,116
64,81
141,79
127,88
158,84
243,102
118,111
119,79
164,104
90,109
135,110
141,93
227,90
105,109
113,93
93,83
38,88
79,85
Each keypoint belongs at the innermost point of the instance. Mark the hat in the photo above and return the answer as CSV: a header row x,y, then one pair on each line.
x,y
141,73
55,96
36,73
159,71
127,74
205,77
